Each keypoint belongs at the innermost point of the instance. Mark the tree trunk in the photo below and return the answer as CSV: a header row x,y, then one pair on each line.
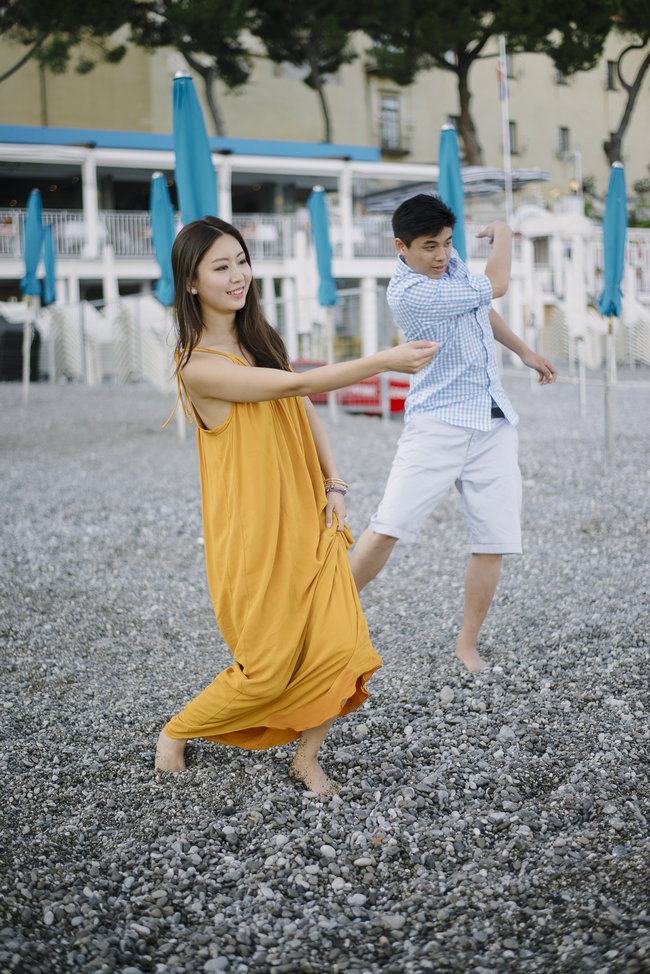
x,y
209,80
315,81
326,114
209,75
613,145
24,59
466,128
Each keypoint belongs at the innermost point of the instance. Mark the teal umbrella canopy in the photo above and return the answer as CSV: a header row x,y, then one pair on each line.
x,y
49,259
614,230
316,205
163,232
450,184
196,180
33,244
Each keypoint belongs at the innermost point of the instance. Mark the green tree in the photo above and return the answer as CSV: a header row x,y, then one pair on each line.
x,y
210,34
312,35
632,19
413,35
50,30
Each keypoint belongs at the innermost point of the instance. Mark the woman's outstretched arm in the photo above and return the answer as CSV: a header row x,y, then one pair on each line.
x,y
209,376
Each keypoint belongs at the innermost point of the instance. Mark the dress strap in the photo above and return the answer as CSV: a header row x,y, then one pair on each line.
x,y
182,397
214,351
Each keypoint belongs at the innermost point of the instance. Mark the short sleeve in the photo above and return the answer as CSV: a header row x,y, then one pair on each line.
x,y
447,297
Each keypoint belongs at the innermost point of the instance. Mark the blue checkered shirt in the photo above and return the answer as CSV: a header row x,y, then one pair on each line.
x,y
462,382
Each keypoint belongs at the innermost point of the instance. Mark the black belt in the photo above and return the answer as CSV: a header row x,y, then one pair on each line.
x,y
497,413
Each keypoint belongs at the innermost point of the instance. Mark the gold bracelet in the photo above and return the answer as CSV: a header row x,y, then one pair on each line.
x,y
335,482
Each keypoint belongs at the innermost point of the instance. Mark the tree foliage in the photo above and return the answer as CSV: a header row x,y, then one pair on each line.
x,y
50,30
411,35
631,19
208,33
314,35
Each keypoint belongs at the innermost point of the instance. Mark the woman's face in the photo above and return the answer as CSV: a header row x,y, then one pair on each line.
x,y
223,276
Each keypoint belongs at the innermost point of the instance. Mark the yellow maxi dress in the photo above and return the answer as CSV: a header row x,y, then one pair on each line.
x,y
280,582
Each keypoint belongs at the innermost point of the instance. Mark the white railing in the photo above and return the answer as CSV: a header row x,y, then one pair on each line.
x,y
267,235
271,236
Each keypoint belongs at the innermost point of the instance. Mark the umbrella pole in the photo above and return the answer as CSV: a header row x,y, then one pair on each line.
x,y
28,330
609,371
329,338
51,351
582,377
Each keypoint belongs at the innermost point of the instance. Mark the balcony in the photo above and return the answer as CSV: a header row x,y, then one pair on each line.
x,y
273,237
268,236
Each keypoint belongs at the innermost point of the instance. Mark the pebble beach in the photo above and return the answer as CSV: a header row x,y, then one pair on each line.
x,y
488,823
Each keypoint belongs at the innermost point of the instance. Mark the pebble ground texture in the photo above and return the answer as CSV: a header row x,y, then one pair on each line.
x,y
492,823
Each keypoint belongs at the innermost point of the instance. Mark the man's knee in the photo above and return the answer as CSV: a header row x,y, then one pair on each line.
x,y
381,542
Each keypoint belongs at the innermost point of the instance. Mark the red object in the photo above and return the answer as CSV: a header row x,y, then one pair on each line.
x,y
363,396
302,365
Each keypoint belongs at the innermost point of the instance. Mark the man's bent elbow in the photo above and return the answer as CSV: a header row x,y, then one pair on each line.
x,y
499,286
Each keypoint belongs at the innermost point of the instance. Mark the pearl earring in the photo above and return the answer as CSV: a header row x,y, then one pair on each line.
x,y
194,291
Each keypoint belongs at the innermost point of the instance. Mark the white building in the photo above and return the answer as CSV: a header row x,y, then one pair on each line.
x,y
94,157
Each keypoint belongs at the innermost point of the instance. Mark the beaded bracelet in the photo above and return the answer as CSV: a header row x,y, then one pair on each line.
x,y
335,490
335,482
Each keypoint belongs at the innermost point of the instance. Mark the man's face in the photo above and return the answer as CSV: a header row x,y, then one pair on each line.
x,y
427,255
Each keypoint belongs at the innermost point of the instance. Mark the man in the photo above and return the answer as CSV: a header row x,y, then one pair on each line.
x,y
459,423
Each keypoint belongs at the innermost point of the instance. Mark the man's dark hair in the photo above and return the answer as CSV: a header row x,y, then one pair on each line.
x,y
423,215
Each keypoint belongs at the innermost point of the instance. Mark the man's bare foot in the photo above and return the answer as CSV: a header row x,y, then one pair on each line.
x,y
169,754
314,779
471,659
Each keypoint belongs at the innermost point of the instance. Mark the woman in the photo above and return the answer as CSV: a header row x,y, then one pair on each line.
x,y
273,516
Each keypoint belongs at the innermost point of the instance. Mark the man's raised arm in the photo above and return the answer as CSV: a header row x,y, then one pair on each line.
x,y
499,262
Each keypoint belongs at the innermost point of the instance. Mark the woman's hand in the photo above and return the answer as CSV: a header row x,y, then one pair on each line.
x,y
335,505
410,357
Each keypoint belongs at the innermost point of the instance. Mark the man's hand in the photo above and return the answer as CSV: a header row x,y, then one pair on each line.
x,y
546,370
492,229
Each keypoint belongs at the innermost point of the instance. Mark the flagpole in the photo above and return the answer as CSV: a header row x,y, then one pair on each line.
x,y
505,126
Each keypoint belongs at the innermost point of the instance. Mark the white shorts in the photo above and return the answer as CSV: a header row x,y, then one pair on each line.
x,y
433,456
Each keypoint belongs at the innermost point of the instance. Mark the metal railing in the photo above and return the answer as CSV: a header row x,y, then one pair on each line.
x,y
271,236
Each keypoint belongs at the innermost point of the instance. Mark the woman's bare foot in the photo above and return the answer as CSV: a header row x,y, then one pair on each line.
x,y
169,754
471,659
314,779
305,766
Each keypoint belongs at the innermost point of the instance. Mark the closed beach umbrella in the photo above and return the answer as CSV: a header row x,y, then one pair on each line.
x,y
163,232
49,293
317,207
30,284
450,184
49,261
327,296
196,180
614,231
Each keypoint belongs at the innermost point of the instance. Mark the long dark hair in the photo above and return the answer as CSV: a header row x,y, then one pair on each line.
x,y
254,333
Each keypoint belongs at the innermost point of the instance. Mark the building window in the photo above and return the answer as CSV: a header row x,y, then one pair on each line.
x,y
563,145
513,138
611,75
389,123
560,77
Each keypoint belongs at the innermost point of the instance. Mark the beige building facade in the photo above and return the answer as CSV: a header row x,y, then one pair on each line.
x,y
556,124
